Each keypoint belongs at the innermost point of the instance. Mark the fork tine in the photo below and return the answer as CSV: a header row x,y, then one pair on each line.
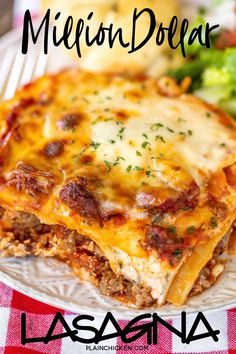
x,y
18,69
41,65
5,68
28,69
14,75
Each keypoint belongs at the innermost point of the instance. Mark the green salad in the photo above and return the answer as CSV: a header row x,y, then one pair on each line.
x,y
213,71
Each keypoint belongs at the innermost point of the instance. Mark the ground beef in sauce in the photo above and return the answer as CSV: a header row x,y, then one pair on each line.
x,y
210,272
27,236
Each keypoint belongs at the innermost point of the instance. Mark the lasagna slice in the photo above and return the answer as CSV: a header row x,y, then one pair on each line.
x,y
131,182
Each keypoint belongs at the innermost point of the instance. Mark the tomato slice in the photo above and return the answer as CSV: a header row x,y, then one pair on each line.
x,y
226,39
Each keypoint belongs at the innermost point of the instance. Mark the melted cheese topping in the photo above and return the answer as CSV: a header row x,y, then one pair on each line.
x,y
160,121
142,167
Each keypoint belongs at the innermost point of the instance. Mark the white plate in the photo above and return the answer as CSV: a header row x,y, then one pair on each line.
x,y
52,282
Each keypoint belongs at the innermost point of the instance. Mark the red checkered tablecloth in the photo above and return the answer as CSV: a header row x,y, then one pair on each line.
x,y
39,315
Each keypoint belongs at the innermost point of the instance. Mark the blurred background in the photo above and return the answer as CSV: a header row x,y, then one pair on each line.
x,y
6,15
11,12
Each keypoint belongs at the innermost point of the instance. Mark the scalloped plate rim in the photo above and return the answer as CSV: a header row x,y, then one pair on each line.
x,y
125,313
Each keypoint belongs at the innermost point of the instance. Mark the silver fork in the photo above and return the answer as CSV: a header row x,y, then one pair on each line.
x,y
17,69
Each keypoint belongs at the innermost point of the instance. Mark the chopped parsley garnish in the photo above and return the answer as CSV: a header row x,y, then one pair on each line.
x,y
108,119
159,137
145,136
161,155
156,126
95,121
171,229
144,144
128,169
117,161
223,145
191,229
76,157
183,134
95,145
138,153
177,252
208,114
120,133
213,223
149,172
170,130
181,120
137,168
108,164
111,164
112,141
